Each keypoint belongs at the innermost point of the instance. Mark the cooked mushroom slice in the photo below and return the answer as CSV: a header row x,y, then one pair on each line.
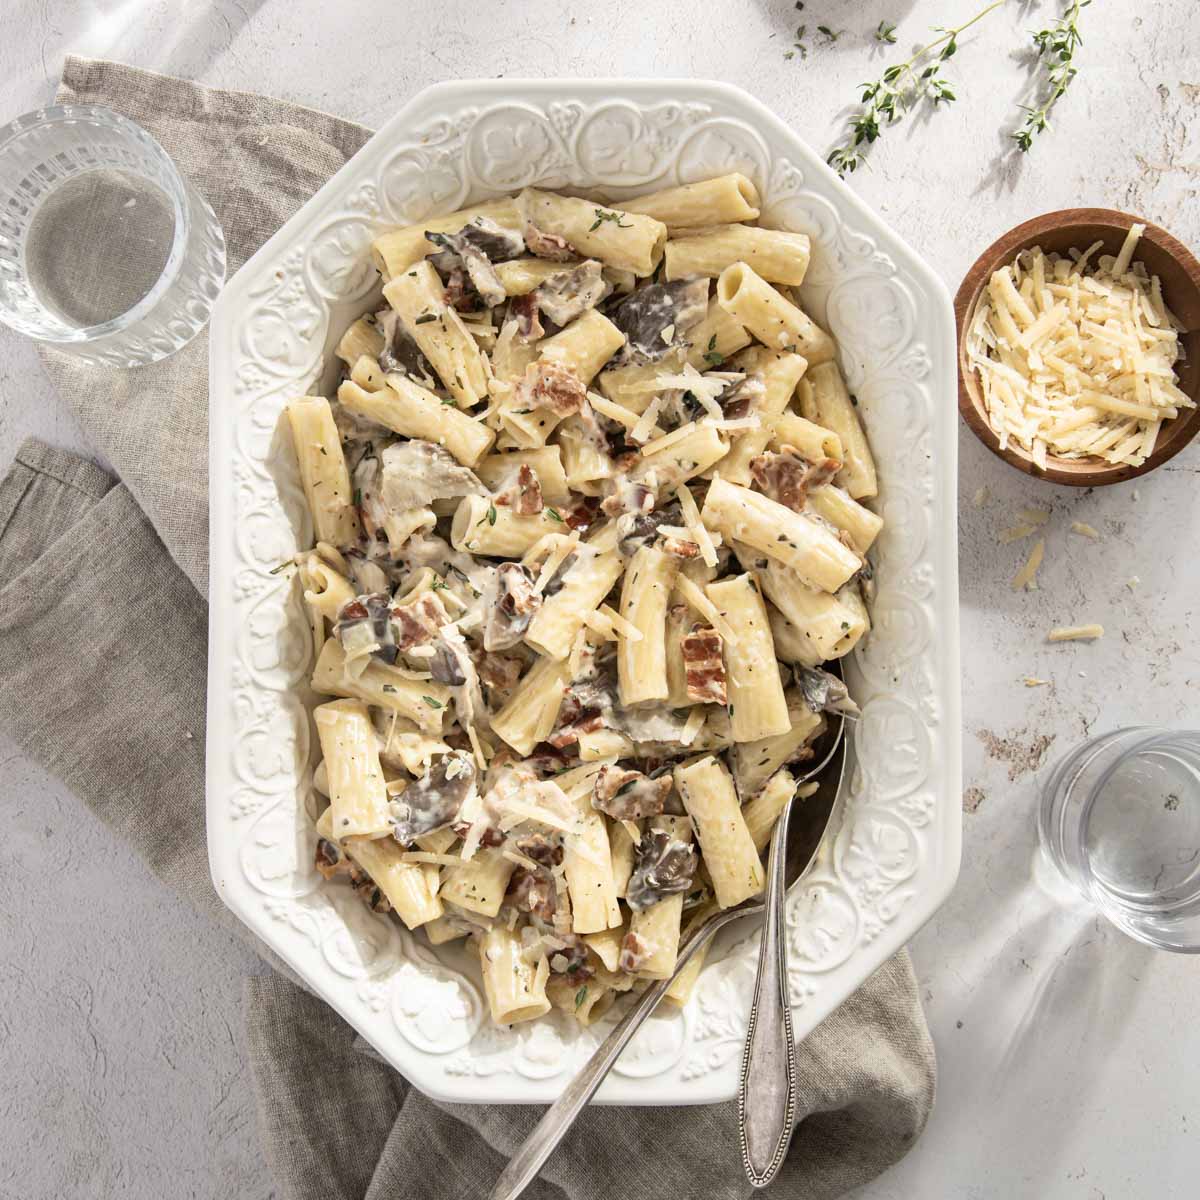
x,y
401,354
704,667
654,319
569,294
433,801
330,861
639,528
509,609
664,866
416,472
742,397
548,245
364,627
524,309
499,674
368,891
453,665
628,795
824,692
788,477
476,246
549,385
545,851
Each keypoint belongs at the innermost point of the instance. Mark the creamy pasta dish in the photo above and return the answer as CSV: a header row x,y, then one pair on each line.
x,y
588,518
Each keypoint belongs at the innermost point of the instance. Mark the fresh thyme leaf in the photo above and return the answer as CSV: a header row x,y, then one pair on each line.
x,y
602,216
714,359
425,318
287,562
491,514
553,514
1056,47
358,497
829,33
448,403
437,585
432,702
712,342
581,995
389,687
884,101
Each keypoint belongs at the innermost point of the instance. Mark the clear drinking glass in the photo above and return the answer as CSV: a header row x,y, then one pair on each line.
x,y
1120,819
106,250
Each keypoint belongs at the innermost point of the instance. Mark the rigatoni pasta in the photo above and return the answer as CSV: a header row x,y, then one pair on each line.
x,y
583,529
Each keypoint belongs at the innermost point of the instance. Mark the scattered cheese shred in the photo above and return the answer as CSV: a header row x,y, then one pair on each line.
x,y
981,497
659,444
692,726
1026,576
1074,633
1085,530
690,591
1030,681
1016,533
696,527
1035,516
1077,360
615,412
624,628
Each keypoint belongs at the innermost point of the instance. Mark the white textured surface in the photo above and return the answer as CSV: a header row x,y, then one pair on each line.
x,y
1067,1077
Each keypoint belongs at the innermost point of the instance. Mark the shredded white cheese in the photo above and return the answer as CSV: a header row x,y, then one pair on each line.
x,y
1073,633
691,592
1027,575
696,528
1085,530
1075,364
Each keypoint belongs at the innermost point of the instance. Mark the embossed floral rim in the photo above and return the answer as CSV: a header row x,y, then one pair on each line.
x,y
893,852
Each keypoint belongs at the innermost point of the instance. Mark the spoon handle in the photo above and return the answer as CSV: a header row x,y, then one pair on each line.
x,y
561,1115
767,1095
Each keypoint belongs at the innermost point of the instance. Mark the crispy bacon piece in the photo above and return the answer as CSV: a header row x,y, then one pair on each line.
x,y
629,497
490,838
572,960
541,849
628,795
524,495
417,622
458,292
680,547
330,861
548,245
524,310
548,385
634,952
703,665
788,476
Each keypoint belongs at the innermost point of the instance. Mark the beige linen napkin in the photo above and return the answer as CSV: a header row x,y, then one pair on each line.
x,y
102,678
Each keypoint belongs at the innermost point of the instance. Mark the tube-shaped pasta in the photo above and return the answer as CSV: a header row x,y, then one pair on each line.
x,y
520,276
621,239
606,944
708,795
515,988
357,793
418,297
780,374
532,709
405,884
325,591
682,458
584,346
584,585
545,462
645,590
383,685
836,506
813,441
791,646
588,865
814,553
757,707
323,472
586,466
755,762
762,811
363,338
774,254
714,339
482,527
408,409
399,249
730,197
657,927
680,619
478,885
680,991
633,386
828,403
754,303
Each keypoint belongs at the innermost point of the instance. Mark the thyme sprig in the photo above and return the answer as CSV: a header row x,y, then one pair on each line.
x,y
1056,47
901,86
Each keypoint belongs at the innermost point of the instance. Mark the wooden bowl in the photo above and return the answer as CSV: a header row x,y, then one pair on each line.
x,y
1164,256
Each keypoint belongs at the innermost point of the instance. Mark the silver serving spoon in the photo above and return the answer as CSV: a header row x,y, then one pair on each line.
x,y
561,1115
768,1085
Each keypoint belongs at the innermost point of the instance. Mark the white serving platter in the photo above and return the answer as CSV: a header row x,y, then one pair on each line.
x,y
892,854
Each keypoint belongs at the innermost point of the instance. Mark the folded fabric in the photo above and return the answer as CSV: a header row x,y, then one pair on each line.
x,y
104,686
